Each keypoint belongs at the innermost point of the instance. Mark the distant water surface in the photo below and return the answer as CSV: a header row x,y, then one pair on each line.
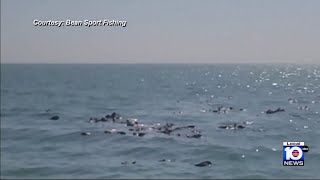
x,y
32,146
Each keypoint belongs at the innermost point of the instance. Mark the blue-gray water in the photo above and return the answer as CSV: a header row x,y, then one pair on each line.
x,y
32,146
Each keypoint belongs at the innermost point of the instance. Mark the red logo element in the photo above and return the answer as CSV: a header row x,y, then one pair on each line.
x,y
295,153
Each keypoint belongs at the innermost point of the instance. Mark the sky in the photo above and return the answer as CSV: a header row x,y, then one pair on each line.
x,y
166,31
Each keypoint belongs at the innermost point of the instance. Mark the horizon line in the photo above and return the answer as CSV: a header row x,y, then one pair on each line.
x,y
146,63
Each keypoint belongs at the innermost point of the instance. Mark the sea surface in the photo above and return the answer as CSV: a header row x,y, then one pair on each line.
x,y
33,146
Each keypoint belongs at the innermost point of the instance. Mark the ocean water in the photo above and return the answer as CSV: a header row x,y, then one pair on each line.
x,y
33,146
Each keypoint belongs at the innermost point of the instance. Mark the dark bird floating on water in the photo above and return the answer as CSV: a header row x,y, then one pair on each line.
x,y
54,118
269,111
203,164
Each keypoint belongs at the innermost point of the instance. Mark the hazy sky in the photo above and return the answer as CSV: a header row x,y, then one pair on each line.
x,y
166,31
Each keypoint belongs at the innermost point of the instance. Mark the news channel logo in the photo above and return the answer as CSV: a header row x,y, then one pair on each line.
x,y
293,153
